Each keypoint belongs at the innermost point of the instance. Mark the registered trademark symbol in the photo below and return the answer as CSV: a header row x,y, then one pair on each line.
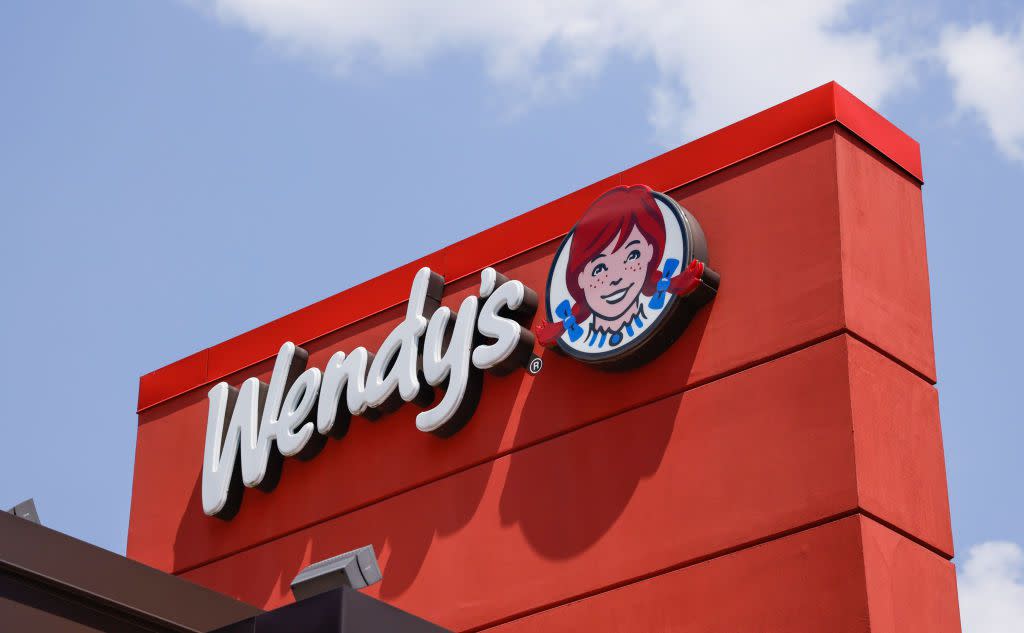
x,y
536,364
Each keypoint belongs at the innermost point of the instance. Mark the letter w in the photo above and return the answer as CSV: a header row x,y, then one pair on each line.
x,y
222,461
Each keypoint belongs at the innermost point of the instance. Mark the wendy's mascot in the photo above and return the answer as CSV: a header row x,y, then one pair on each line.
x,y
618,276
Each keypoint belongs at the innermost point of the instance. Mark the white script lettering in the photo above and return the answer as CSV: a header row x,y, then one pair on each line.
x,y
251,428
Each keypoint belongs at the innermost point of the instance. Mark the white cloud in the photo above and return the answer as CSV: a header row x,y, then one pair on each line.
x,y
991,587
987,69
716,62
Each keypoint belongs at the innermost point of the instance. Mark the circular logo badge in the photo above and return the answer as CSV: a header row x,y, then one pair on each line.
x,y
627,279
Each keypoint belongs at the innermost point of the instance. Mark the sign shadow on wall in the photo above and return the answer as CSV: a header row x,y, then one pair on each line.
x,y
566,493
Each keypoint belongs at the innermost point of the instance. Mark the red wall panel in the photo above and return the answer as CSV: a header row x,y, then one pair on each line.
x,y
758,453
901,473
885,267
847,576
908,587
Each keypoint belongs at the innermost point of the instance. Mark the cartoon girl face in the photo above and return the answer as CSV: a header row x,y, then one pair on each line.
x,y
614,278
613,260
618,273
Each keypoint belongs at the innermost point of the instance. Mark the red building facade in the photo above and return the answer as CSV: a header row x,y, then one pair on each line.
x,y
778,467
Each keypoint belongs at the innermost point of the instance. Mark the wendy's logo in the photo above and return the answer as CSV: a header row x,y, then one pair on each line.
x,y
627,279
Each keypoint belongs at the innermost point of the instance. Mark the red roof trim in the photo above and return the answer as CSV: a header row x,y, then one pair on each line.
x,y
824,105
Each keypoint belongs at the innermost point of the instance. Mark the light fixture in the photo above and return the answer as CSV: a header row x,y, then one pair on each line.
x,y
355,569
26,510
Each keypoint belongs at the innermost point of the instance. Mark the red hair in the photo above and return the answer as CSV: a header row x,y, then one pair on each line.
x,y
611,218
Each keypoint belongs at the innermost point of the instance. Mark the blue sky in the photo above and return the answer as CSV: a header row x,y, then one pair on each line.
x,y
158,158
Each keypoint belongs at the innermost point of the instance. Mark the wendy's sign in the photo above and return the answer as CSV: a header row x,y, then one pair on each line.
x,y
627,279
622,286
250,429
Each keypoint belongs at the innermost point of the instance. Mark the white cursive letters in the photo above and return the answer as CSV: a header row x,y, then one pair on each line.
x,y
432,347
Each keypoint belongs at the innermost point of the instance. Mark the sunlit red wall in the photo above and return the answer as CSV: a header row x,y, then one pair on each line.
x,y
779,468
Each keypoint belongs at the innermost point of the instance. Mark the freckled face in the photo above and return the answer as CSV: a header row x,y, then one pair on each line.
x,y
612,281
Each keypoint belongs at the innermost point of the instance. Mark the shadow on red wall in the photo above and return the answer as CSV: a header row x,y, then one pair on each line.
x,y
552,490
